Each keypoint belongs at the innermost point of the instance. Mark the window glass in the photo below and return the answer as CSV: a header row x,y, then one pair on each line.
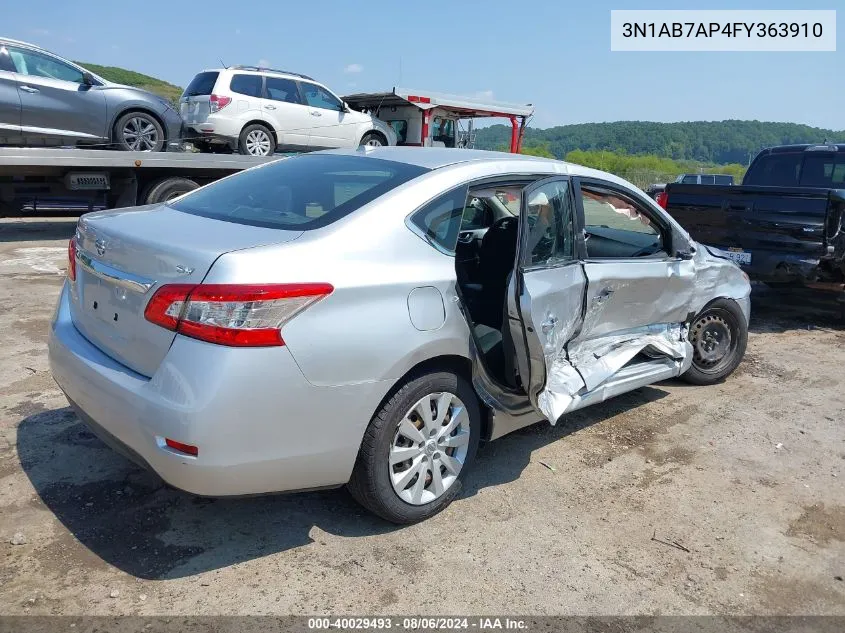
x,y
690,180
202,84
440,220
6,61
318,97
551,230
38,65
249,85
617,227
775,170
477,215
280,89
723,180
708,180
299,193
400,126
822,169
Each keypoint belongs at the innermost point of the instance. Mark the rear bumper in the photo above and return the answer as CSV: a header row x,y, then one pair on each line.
x,y
214,129
259,424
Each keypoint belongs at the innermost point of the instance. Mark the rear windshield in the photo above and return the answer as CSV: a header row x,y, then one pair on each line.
x,y
299,193
202,84
798,169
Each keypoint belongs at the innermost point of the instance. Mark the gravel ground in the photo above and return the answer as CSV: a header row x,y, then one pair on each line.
x,y
669,500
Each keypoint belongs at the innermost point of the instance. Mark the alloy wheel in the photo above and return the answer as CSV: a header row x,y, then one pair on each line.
x,y
258,143
140,134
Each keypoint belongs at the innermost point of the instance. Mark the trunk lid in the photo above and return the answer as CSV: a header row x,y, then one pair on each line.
x,y
123,257
195,104
195,110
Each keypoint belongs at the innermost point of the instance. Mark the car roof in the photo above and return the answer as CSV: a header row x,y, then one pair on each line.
x,y
803,147
262,71
442,157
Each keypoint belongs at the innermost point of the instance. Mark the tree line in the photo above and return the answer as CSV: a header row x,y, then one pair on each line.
x,y
713,142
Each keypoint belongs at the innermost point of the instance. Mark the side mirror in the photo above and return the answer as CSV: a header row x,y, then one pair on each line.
x,y
684,254
88,79
346,107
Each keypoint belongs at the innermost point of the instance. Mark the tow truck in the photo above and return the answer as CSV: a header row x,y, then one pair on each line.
x,y
428,119
76,181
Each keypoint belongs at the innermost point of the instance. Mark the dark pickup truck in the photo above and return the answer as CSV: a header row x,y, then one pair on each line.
x,y
783,224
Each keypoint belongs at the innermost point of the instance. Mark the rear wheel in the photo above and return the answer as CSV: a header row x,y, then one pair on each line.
x,y
373,139
168,189
138,132
256,140
417,449
719,335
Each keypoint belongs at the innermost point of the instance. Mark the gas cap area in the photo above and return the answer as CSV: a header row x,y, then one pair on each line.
x,y
426,309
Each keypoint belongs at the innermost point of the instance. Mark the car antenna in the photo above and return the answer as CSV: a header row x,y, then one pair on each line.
x,y
223,64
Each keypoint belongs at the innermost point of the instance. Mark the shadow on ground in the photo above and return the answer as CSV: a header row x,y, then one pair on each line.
x,y
779,309
37,230
131,520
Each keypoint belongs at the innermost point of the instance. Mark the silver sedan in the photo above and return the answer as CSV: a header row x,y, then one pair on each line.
x,y
366,317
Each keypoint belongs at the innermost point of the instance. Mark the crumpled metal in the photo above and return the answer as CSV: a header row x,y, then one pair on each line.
x,y
599,359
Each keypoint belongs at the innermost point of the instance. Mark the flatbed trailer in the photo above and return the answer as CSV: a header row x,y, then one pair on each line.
x,y
37,181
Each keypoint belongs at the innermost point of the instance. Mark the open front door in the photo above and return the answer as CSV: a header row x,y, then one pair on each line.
x,y
546,308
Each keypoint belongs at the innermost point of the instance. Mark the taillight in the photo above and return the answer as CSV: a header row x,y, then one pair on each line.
x,y
232,314
218,102
71,259
662,199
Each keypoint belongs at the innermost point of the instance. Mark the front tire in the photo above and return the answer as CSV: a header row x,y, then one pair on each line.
x,y
719,336
138,132
256,140
373,139
417,449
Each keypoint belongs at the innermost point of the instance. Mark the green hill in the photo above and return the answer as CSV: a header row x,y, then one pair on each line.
x,y
718,142
138,80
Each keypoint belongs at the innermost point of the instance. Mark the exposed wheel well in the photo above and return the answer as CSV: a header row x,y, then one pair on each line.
x,y
138,109
461,365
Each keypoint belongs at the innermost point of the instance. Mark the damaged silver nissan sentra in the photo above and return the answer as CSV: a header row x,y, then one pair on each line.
x,y
367,317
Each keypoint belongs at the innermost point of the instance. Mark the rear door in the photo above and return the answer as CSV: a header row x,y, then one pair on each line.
x,y
194,106
546,308
638,291
283,108
10,101
55,101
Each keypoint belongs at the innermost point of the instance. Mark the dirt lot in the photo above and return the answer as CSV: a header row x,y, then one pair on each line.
x,y
747,479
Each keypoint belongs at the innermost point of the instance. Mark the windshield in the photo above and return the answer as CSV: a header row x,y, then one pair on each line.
x,y
300,193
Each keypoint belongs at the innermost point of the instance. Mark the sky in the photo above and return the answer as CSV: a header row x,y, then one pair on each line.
x,y
554,54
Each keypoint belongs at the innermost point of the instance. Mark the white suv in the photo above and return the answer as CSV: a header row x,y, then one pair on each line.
x,y
259,110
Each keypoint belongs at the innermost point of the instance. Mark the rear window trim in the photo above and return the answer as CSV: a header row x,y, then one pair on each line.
x,y
330,217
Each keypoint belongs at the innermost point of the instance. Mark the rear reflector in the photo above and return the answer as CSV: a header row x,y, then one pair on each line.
x,y
232,314
182,448
71,259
